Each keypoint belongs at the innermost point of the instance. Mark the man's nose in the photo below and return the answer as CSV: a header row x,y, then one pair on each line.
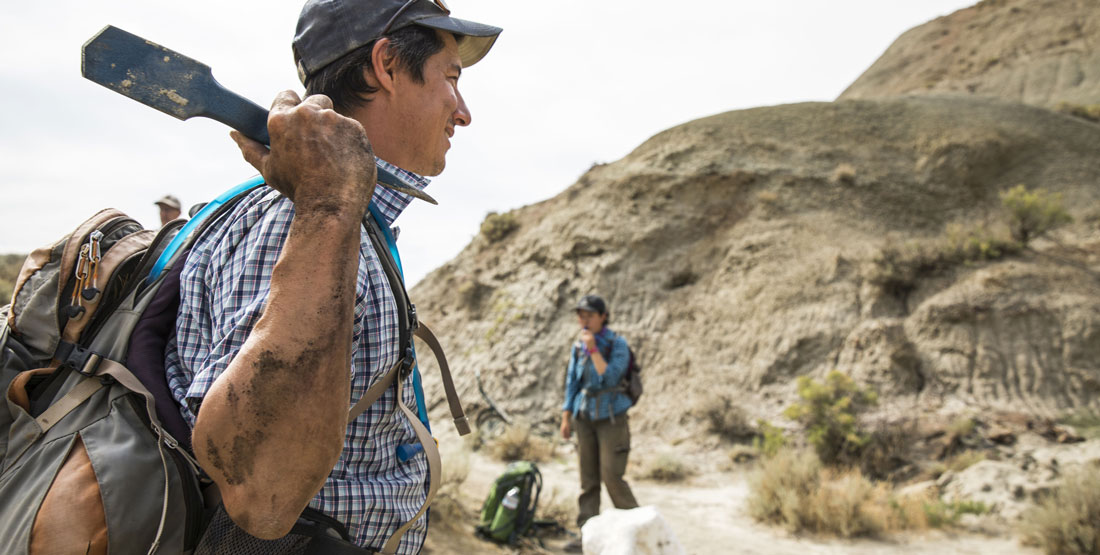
x,y
462,113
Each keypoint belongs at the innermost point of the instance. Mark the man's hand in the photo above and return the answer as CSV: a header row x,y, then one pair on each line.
x,y
319,159
566,428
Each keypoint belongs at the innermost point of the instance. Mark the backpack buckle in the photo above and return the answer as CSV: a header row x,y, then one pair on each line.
x,y
407,362
414,322
76,358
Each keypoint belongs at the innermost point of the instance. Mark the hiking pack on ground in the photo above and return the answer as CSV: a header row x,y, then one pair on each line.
x,y
94,454
509,510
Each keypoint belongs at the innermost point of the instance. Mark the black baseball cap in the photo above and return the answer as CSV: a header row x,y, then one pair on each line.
x,y
328,29
592,303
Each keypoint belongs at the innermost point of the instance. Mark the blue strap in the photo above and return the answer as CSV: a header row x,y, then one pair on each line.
x,y
191,226
405,451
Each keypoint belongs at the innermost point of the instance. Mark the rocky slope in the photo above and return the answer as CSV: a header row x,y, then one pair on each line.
x,y
745,249
1040,52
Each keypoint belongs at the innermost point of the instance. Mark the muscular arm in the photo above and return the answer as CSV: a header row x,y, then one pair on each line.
x,y
272,426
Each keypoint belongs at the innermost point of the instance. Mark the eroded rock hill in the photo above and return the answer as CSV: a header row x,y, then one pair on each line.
x,y
742,250
1040,52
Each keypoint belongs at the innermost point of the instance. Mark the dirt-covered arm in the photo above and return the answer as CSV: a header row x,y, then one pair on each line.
x,y
272,426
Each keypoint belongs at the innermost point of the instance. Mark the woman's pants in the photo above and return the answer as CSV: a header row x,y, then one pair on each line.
x,y
603,447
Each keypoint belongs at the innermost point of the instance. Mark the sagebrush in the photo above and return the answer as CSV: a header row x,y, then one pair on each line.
x,y
796,491
1033,213
496,227
1067,521
829,411
519,443
666,467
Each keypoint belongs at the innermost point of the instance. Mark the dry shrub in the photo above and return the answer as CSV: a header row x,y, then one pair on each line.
x,y
681,278
447,508
726,419
844,173
767,198
555,505
665,468
888,453
778,489
496,227
1068,520
742,454
1090,112
518,443
897,269
964,460
796,491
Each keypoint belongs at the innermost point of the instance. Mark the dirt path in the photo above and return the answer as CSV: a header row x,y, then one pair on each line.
x,y
707,514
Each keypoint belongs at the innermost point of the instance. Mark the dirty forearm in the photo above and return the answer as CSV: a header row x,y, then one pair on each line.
x,y
272,427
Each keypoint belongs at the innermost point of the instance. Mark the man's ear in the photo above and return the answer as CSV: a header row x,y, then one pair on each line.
x,y
383,66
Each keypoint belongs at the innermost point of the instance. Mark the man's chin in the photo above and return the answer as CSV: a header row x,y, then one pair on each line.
x,y
436,169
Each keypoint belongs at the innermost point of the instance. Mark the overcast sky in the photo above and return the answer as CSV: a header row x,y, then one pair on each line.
x,y
569,83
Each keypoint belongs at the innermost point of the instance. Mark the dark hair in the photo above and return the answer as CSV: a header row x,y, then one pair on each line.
x,y
343,82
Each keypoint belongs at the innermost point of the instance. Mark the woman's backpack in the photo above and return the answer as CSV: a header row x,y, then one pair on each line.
x,y
509,510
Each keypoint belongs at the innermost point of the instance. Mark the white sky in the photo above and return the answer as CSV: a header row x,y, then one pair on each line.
x,y
569,83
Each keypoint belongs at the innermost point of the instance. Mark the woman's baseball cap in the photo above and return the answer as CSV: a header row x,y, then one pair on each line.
x,y
328,29
592,303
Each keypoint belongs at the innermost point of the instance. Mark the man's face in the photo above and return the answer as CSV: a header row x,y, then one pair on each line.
x,y
428,112
167,213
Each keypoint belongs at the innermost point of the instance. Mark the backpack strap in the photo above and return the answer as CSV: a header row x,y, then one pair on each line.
x,y
408,326
426,335
435,468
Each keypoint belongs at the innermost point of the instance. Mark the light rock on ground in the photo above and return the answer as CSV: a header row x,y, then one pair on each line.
x,y
641,531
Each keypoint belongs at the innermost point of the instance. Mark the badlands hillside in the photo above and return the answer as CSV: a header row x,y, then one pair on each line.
x,y
743,250
1041,52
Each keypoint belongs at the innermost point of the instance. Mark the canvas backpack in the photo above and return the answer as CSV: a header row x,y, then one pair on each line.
x,y
632,379
631,382
94,454
509,510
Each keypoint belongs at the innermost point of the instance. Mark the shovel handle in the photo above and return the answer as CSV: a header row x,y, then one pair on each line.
x,y
241,114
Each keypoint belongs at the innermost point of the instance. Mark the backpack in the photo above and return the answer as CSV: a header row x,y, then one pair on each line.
x,y
631,382
509,510
78,426
94,454
632,379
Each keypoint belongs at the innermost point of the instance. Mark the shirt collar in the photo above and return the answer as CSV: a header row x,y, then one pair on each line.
x,y
391,203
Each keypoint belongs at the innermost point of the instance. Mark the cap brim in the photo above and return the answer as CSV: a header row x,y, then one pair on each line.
x,y
477,38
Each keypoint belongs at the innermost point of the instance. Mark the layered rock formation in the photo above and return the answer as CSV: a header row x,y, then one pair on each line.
x,y
1040,52
742,250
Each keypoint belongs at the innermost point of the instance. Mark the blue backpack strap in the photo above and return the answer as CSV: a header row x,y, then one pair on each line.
x,y
196,222
405,451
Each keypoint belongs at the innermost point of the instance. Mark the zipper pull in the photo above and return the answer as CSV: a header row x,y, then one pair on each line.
x,y
94,256
74,310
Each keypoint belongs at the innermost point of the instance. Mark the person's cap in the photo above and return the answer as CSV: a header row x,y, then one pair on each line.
x,y
592,303
170,201
328,29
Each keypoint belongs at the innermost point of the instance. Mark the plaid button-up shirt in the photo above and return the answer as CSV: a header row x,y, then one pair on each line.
x,y
223,290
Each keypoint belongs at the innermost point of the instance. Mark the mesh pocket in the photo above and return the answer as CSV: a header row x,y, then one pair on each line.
x,y
224,537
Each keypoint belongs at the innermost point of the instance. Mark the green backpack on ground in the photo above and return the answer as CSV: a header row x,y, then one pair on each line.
x,y
509,510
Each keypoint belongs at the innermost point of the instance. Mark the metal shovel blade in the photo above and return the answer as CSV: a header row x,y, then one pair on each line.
x,y
181,87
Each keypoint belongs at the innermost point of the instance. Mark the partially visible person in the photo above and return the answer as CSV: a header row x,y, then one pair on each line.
x,y
286,314
169,208
596,407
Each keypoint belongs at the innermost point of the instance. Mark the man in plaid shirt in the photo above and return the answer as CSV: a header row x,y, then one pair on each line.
x,y
286,317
